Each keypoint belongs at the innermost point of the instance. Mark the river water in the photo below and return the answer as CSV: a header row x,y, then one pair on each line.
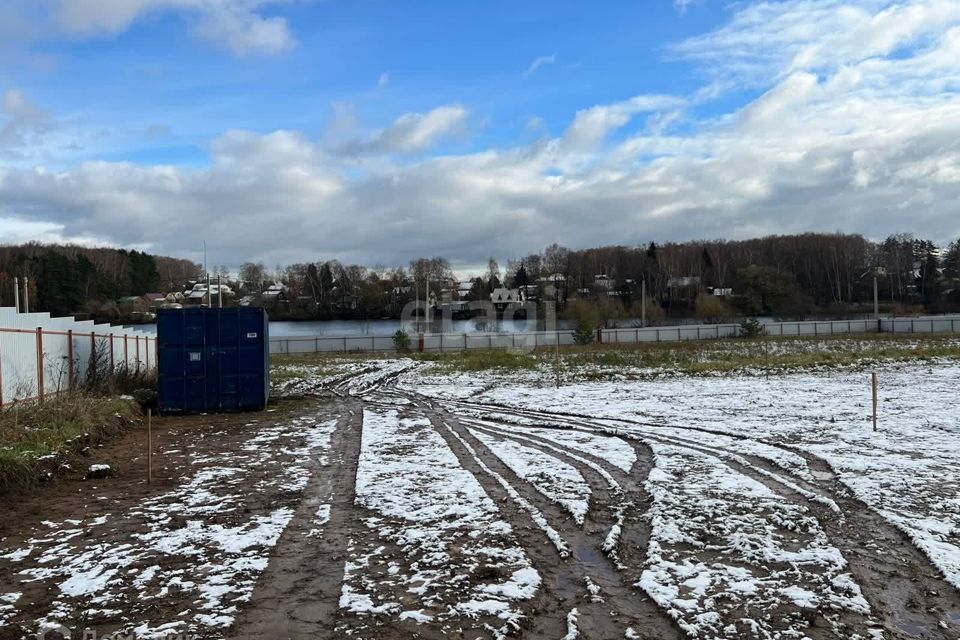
x,y
284,328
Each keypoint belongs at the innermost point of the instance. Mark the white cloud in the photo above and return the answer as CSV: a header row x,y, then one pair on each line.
x,y
21,122
539,62
410,133
861,144
383,80
682,5
590,126
237,25
767,40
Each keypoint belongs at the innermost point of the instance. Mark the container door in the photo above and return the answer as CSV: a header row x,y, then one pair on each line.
x,y
212,358
194,362
250,358
228,361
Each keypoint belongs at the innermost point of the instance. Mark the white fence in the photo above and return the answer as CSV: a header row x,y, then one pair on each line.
x,y
40,355
460,341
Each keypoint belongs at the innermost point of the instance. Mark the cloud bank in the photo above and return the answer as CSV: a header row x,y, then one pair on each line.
x,y
856,128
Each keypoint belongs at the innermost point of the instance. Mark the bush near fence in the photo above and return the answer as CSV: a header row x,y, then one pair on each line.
x,y
297,345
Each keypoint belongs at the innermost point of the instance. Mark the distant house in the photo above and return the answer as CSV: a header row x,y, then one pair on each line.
x,y
683,289
198,294
602,281
156,300
131,304
275,293
501,297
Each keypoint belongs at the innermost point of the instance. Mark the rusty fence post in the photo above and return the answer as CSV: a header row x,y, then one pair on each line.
x,y
40,389
71,376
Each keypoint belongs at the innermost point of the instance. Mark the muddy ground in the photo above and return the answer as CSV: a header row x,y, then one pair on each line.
x,y
297,594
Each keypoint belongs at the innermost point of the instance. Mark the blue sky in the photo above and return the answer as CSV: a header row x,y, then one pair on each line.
x,y
510,63
378,131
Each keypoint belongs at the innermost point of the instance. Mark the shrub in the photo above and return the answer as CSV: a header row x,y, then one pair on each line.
x,y
583,334
711,308
751,328
401,341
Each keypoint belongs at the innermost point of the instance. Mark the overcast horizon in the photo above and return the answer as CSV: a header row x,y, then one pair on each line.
x,y
374,132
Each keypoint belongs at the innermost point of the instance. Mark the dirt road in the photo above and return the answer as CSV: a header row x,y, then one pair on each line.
x,y
372,511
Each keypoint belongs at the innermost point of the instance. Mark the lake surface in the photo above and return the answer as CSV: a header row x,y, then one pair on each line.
x,y
284,328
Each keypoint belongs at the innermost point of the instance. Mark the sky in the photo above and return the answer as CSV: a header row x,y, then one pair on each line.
x,y
375,132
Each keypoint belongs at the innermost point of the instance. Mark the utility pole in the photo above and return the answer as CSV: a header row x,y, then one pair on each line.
x,y
876,298
16,293
643,303
206,271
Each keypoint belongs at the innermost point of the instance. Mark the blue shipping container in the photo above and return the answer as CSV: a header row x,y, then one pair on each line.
x,y
213,359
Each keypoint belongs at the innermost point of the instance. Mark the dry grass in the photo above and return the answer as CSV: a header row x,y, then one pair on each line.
x,y
37,439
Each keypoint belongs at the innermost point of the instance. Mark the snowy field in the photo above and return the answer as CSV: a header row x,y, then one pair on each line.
x,y
493,504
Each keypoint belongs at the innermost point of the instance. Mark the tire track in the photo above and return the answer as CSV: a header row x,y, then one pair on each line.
x,y
565,587
904,589
298,594
616,504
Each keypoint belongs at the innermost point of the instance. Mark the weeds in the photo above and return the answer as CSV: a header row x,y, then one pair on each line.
x,y
38,438
481,360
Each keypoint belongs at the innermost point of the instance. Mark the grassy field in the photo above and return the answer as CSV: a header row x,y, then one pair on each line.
x,y
599,361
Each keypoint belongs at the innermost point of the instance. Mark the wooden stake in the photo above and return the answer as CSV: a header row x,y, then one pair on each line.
x,y
149,446
556,361
874,378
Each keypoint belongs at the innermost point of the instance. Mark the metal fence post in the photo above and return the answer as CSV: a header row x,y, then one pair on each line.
x,y
70,374
1,377
40,364
113,367
126,353
136,339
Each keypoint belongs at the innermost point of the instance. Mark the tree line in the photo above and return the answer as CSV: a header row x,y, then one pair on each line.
x,y
780,275
68,279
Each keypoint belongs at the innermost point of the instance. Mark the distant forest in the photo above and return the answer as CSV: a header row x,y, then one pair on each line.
x,y
784,276
67,279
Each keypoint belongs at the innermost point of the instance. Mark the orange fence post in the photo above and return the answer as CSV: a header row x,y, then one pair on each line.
x,y
70,373
40,363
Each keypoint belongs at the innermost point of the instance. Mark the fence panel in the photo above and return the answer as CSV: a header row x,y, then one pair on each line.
x,y
42,356
461,341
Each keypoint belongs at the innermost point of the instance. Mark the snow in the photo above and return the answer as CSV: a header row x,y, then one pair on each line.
x,y
555,479
909,471
434,526
704,429
572,632
209,560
